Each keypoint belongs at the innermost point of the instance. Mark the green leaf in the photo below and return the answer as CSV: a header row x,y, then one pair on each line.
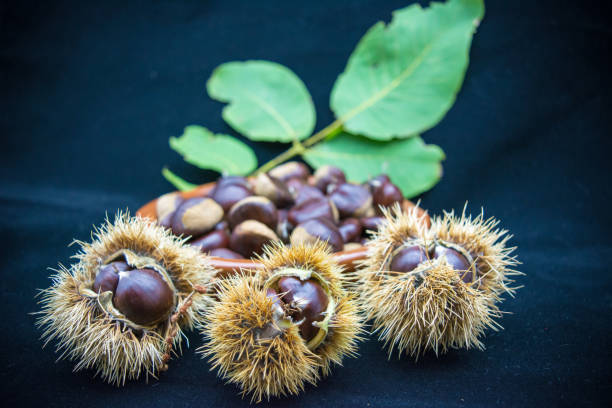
x,y
411,164
267,101
402,78
223,153
176,181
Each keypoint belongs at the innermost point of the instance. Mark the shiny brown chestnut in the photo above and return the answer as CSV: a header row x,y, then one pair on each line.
x,y
311,209
326,178
196,216
386,195
143,296
165,207
306,192
229,190
290,170
213,240
350,229
294,184
371,224
273,189
456,260
249,238
317,229
305,302
378,180
107,277
283,226
352,200
233,181
253,208
222,225
408,258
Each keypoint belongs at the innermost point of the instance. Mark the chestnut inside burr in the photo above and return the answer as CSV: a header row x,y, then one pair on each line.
x,y
304,301
408,258
284,200
140,294
457,260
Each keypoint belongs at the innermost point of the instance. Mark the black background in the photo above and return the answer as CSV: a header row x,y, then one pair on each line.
x,y
91,93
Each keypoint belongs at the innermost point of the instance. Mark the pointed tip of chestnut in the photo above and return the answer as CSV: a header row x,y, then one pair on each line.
x,y
328,177
387,194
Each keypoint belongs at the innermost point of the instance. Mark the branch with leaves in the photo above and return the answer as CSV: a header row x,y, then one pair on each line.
x,y
400,81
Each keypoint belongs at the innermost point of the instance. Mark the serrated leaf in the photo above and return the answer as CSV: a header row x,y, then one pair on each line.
x,y
411,164
266,101
223,153
178,182
402,78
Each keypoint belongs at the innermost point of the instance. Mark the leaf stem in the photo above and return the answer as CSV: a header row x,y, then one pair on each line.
x,y
299,148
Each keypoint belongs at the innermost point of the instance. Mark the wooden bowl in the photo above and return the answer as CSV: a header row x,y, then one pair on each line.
x,y
229,266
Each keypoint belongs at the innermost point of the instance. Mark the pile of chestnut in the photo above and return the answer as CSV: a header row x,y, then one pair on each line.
x,y
289,204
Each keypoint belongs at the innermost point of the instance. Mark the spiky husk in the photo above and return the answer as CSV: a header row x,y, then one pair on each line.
x,y
429,308
487,245
345,326
87,335
264,368
434,310
284,364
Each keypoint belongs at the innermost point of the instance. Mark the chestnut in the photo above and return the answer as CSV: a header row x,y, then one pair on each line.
x,y
229,190
408,258
196,216
283,226
350,229
290,170
456,260
352,200
306,301
386,195
306,192
328,177
249,238
212,240
233,181
273,189
225,253
294,184
253,208
107,277
143,296
318,229
378,180
222,225
371,224
165,207
313,208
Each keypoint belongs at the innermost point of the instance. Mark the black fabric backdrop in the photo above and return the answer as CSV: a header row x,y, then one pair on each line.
x,y
91,93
